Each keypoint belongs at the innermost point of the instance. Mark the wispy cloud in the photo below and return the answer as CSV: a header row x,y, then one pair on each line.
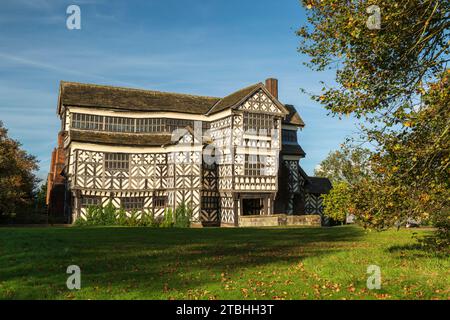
x,y
64,71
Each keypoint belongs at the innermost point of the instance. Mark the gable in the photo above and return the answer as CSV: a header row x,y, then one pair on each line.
x,y
261,102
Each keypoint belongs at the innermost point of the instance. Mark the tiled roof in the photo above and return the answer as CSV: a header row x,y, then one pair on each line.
x,y
234,98
292,149
99,96
293,117
110,97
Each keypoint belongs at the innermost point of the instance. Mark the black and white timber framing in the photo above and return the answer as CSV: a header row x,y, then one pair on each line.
x,y
145,150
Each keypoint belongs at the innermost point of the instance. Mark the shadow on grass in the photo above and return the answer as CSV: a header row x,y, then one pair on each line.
x,y
417,250
151,262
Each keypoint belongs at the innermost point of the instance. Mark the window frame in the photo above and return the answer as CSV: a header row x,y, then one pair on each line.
x,y
117,161
132,203
156,201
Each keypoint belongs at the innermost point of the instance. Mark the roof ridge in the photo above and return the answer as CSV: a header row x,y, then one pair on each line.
x,y
136,89
255,85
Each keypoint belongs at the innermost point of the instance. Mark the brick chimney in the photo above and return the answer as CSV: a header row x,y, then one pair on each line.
x,y
272,86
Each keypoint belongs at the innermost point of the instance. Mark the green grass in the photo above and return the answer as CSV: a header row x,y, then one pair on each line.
x,y
227,263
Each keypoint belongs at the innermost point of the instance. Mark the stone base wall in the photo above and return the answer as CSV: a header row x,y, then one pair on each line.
x,y
305,220
280,220
258,221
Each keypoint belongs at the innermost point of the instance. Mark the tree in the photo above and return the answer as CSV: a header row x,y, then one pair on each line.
x,y
40,198
395,79
380,72
337,203
345,165
17,178
346,168
411,171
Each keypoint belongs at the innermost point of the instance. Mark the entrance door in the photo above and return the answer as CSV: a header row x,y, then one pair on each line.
x,y
252,207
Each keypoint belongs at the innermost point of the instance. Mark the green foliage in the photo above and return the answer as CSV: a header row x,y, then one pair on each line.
x,y
17,178
93,217
396,80
98,216
109,215
338,201
134,219
345,165
168,219
183,214
122,217
40,199
440,240
148,220
379,71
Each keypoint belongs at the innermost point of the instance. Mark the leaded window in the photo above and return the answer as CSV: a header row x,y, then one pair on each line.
x,y
211,203
150,125
173,124
289,136
88,201
132,203
258,122
159,202
119,124
87,121
253,165
117,161
130,125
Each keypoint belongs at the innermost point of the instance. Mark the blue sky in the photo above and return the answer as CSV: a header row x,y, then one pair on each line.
x,y
206,47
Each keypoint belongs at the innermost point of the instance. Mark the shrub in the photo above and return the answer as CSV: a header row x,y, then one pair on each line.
x,y
183,216
108,215
337,202
133,220
91,217
440,239
168,218
98,216
146,219
122,217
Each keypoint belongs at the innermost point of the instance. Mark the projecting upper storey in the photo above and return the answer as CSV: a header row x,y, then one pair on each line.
x,y
74,94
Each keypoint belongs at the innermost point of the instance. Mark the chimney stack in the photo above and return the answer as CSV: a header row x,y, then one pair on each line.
x,y
272,86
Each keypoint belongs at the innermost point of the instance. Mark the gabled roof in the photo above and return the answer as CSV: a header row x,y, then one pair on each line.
x,y
110,97
293,118
100,96
237,98
233,99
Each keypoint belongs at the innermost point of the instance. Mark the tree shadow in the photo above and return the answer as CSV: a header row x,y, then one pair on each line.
x,y
153,262
417,250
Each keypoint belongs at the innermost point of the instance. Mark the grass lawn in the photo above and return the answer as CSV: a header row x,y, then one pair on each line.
x,y
214,263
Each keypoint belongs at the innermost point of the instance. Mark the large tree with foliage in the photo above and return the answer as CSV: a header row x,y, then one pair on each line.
x,y
17,178
346,168
395,79
346,165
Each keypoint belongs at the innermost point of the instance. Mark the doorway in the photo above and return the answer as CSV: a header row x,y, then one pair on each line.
x,y
252,207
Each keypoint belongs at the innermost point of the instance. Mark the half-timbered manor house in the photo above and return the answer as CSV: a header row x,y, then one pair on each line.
x,y
146,150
